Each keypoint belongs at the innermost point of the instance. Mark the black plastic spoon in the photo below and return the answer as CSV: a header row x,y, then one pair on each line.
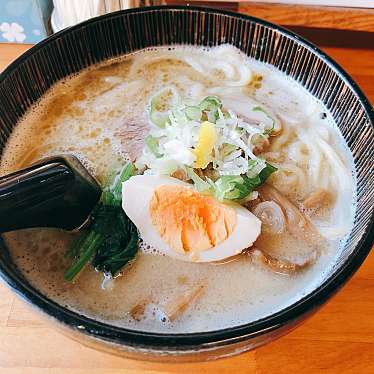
x,y
55,192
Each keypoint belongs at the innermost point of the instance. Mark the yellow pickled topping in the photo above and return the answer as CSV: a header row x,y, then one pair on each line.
x,y
204,148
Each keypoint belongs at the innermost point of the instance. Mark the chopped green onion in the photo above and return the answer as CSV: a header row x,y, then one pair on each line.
x,y
224,187
159,119
199,183
152,144
239,187
267,131
193,112
210,103
210,106
228,148
266,172
213,116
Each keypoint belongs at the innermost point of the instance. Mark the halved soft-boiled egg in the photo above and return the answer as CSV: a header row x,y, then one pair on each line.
x,y
182,223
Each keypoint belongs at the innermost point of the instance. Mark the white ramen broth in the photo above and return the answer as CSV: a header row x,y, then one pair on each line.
x,y
101,116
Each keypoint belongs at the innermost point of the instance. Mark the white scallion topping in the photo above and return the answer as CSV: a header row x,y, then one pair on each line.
x,y
178,136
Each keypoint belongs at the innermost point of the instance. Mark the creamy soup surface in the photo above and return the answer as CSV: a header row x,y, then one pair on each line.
x,y
101,115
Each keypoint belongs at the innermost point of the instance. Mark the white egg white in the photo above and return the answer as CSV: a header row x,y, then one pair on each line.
x,y
137,193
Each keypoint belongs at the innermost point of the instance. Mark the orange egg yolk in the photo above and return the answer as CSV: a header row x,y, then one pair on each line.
x,y
188,220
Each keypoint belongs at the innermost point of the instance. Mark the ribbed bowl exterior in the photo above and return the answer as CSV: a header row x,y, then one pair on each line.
x,y
102,38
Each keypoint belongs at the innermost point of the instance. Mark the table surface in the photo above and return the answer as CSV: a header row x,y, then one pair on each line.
x,y
276,11
338,339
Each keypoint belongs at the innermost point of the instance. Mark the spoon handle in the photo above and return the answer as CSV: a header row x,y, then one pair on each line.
x,y
55,192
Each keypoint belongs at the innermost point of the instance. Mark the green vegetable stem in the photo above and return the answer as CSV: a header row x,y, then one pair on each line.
x,y
111,241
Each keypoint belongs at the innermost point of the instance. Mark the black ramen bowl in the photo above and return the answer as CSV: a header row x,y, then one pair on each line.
x,y
112,35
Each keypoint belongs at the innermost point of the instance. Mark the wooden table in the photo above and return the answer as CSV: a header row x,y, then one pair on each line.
x,y
338,339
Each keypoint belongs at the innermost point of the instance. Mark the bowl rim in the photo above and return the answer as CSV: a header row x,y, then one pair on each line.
x,y
206,339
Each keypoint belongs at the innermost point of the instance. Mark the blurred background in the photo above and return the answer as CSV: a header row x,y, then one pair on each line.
x,y
333,22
